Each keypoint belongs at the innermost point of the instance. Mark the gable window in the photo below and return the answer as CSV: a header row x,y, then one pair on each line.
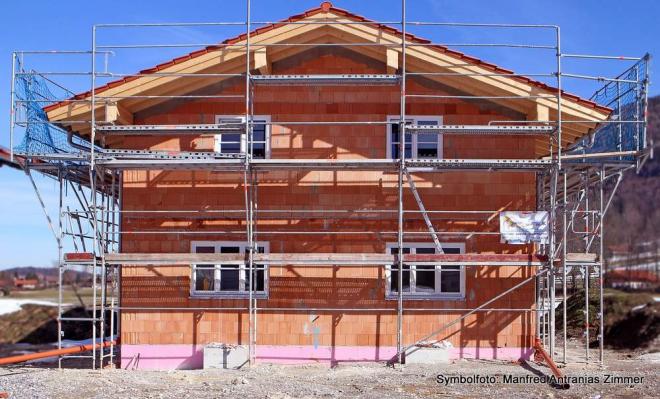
x,y
423,281
422,145
227,279
236,143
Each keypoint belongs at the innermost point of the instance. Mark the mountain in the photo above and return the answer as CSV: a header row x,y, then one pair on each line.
x,y
633,220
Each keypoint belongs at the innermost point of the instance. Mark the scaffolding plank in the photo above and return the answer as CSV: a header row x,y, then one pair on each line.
x,y
169,155
170,258
276,258
324,259
160,160
328,79
429,165
507,259
173,163
359,164
483,129
578,257
145,130
78,257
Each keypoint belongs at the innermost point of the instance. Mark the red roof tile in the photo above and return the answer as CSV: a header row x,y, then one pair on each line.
x,y
326,6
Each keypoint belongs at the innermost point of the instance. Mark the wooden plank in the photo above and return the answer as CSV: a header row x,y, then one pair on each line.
x,y
261,62
476,258
392,60
322,259
171,258
78,257
581,257
115,112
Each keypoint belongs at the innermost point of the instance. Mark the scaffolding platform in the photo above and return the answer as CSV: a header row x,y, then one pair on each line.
x,y
336,259
484,129
577,162
337,79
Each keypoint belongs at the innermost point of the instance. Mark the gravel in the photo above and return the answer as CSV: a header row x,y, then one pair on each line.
x,y
345,380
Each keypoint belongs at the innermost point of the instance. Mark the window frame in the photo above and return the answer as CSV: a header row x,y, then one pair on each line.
x,y
412,294
414,119
217,139
242,274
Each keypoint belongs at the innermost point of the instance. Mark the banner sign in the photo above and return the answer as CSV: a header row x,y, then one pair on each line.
x,y
524,227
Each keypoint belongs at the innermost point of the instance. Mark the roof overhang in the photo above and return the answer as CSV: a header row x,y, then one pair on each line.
x,y
119,100
5,159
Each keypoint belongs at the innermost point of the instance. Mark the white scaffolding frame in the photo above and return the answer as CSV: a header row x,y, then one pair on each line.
x,y
568,184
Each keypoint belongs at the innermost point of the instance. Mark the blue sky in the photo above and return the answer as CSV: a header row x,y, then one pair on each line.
x,y
587,26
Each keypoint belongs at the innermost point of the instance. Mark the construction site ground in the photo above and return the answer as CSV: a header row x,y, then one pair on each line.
x,y
41,380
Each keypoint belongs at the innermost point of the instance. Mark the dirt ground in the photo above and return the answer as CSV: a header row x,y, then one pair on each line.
x,y
346,380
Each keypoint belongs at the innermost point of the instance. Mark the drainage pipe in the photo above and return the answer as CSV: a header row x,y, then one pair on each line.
x,y
540,352
54,352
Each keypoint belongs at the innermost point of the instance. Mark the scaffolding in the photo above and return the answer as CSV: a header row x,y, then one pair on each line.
x,y
575,183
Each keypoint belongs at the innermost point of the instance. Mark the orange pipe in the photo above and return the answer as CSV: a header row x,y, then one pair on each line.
x,y
54,352
540,351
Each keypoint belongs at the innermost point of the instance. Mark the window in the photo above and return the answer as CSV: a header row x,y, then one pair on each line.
x,y
422,145
227,279
426,281
236,143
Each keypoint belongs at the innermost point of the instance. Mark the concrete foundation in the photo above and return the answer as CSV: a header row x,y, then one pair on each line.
x,y
427,355
223,356
182,356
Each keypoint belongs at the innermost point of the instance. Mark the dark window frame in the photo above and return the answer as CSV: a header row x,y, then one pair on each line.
x,y
260,122
412,269
220,289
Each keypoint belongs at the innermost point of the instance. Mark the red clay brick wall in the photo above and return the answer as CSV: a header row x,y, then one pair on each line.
x,y
316,287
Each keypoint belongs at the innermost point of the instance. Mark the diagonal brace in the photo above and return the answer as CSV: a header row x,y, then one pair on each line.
x,y
413,188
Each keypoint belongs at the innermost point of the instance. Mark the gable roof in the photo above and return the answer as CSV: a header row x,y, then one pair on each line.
x,y
324,8
581,108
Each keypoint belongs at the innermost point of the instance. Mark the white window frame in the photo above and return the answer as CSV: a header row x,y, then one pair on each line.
x,y
217,142
389,294
414,119
243,271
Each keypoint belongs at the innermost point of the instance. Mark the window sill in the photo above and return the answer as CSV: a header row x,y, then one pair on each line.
x,y
422,297
227,295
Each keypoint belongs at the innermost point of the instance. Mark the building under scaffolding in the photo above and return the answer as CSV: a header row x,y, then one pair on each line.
x,y
257,192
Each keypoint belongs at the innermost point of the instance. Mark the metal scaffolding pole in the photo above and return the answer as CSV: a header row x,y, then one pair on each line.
x,y
601,274
248,182
104,271
551,257
402,165
60,267
586,268
113,271
102,163
93,199
422,209
559,116
563,265
12,106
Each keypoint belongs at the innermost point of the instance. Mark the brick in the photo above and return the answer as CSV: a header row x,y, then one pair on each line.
x,y
310,190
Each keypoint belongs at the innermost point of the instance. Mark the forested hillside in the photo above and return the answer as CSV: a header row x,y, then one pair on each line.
x,y
634,217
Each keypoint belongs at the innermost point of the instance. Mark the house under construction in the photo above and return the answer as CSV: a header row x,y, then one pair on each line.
x,y
327,188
